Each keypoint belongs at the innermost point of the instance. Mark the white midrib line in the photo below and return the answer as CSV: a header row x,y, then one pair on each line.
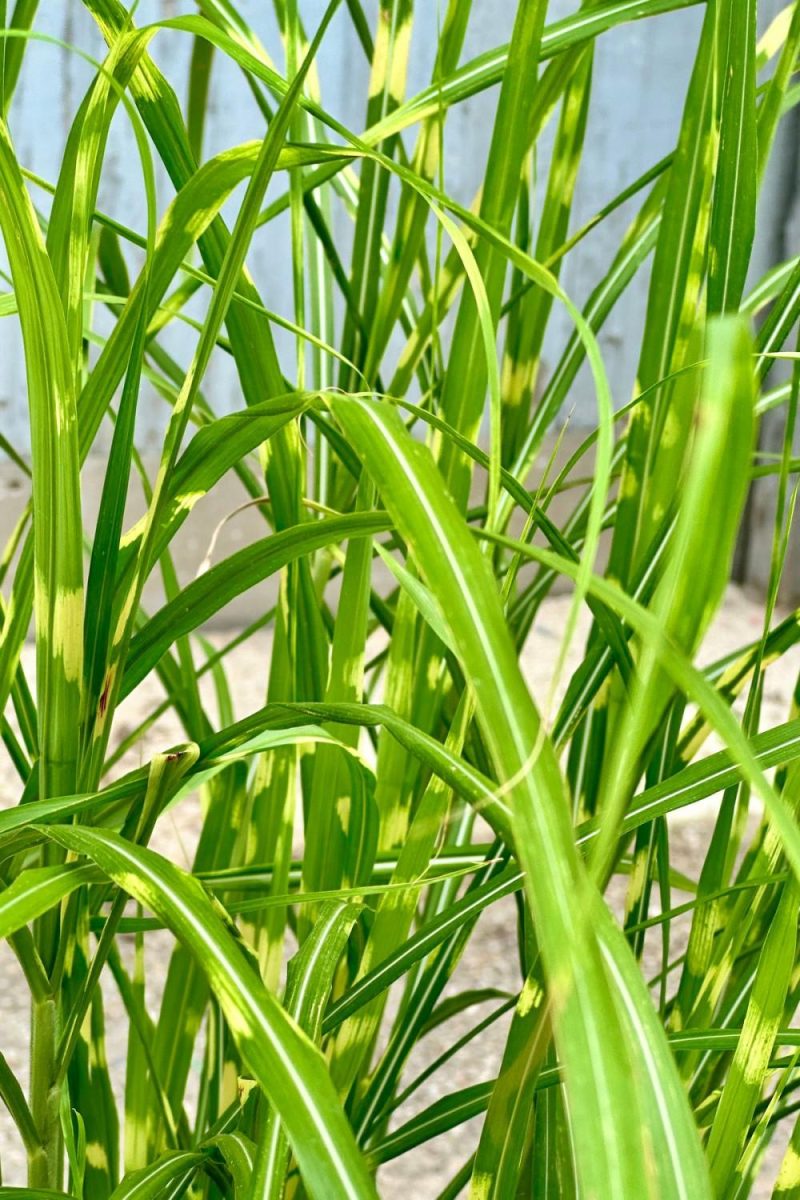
x,y
307,1098
599,1077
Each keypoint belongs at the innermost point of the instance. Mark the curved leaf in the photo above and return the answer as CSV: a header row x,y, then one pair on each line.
x,y
290,1070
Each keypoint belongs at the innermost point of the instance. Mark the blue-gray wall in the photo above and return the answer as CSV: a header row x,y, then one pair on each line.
x,y
640,77
639,84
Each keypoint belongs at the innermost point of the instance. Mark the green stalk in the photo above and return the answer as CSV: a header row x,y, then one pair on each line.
x,y
44,1164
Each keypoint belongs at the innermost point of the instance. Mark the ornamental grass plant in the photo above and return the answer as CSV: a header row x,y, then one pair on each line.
x,y
418,506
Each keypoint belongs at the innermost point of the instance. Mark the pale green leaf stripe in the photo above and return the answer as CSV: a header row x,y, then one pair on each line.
x,y
713,482
70,227
765,1010
773,747
150,1182
230,270
599,1039
733,219
690,681
58,553
239,1154
309,982
482,72
203,597
20,22
288,1067
24,1193
36,890
672,301
216,448
420,944
460,1106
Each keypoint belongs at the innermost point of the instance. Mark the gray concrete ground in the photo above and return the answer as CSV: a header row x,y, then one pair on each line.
x,y
491,958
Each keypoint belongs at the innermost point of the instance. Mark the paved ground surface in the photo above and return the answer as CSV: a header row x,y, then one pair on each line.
x,y
491,958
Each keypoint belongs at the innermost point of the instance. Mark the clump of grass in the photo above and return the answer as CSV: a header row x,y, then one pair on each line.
x,y
413,556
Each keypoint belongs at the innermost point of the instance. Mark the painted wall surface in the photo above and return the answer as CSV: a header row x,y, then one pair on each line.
x,y
640,78
639,83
